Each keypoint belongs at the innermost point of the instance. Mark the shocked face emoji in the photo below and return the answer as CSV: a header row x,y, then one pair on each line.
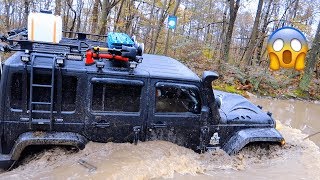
x,y
287,47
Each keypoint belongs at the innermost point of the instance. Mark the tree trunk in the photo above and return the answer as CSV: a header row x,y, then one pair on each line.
x,y
85,25
94,18
118,15
254,33
135,24
104,17
130,17
312,57
184,19
66,17
232,18
223,31
70,2
207,37
263,32
7,5
47,4
149,26
13,20
163,16
295,9
80,5
26,12
57,10
106,8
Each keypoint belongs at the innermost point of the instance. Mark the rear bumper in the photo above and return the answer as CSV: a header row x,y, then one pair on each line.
x,y
41,138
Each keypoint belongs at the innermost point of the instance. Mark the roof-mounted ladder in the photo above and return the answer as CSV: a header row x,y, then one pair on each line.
x,y
32,103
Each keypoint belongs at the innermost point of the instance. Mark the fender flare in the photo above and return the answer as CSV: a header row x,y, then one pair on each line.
x,y
243,137
47,138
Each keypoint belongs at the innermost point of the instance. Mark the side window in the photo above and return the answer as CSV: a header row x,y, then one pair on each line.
x,y
41,94
16,91
177,99
69,90
116,97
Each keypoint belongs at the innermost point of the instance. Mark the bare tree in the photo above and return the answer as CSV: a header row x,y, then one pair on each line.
x,y
150,24
312,57
69,3
263,31
118,15
57,10
107,5
26,12
222,38
233,10
94,16
163,15
80,5
130,16
8,5
254,33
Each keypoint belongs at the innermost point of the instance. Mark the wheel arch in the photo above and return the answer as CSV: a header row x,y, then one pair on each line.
x,y
47,138
246,136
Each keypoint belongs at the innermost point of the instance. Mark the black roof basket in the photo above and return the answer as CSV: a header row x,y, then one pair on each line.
x,y
83,35
17,41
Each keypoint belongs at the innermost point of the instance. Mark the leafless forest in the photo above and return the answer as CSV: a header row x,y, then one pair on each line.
x,y
225,35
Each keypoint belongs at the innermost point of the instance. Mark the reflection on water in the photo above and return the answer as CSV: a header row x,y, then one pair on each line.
x,y
298,159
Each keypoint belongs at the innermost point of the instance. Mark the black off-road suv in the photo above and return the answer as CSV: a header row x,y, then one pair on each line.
x,y
80,90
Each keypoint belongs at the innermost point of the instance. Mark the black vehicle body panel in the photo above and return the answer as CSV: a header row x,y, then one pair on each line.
x,y
238,110
182,128
237,122
114,126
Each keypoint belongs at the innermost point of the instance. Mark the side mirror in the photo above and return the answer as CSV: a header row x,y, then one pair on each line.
x,y
208,77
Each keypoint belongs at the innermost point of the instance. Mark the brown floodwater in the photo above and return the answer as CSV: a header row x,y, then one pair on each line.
x,y
298,159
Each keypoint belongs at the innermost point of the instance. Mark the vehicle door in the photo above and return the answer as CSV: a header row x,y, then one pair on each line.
x,y
116,111
174,113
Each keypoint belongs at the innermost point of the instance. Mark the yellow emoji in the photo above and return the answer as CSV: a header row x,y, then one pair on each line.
x,y
287,48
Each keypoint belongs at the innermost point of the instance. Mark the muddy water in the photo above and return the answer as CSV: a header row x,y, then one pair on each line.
x,y
301,115
298,159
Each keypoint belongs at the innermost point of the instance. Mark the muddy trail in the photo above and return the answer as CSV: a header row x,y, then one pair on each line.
x,y
298,159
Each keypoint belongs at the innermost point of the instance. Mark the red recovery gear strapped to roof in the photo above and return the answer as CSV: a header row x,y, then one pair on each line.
x,y
91,55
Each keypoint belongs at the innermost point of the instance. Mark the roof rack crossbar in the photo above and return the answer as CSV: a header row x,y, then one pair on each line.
x,y
82,47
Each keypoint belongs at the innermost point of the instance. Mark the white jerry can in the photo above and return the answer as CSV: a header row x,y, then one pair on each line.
x,y
44,27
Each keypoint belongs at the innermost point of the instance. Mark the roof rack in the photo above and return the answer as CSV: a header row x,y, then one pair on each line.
x,y
83,35
81,47
17,41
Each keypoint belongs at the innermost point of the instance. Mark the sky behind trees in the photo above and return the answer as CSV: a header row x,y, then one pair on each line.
x,y
209,34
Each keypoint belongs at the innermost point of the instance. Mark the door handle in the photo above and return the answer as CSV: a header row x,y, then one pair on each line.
x,y
101,125
159,125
